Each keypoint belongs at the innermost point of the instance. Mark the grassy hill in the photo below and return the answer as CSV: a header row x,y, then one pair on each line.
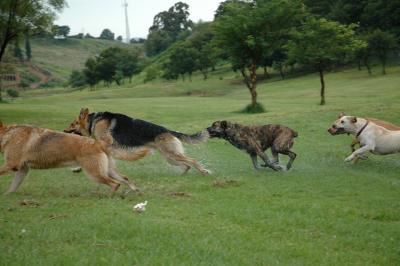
x,y
322,212
60,57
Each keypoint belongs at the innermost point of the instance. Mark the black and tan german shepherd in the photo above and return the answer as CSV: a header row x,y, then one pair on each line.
x,y
127,134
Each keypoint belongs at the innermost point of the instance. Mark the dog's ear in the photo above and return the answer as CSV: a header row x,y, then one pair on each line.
x,y
353,119
341,114
224,124
84,113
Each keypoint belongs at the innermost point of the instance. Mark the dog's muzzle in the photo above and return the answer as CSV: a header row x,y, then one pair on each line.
x,y
336,131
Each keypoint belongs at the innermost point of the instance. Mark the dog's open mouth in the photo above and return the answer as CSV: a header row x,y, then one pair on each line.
x,y
336,131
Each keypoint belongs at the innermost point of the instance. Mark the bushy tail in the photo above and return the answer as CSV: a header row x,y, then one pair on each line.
x,y
199,137
130,155
121,154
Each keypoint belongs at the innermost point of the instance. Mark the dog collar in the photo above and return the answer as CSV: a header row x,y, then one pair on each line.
x,y
362,129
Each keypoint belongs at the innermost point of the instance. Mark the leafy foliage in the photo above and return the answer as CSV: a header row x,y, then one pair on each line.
x,y
25,16
321,43
107,34
250,31
168,27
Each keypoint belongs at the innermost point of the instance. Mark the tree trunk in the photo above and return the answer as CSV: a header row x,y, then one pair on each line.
x,y
321,77
8,35
253,79
366,64
266,75
281,72
383,60
251,83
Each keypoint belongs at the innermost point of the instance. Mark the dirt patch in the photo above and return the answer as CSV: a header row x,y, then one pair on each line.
x,y
29,203
225,183
179,194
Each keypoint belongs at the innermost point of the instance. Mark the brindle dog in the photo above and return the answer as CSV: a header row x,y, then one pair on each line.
x,y
255,140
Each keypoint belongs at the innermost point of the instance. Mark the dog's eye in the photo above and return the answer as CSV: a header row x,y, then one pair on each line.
x,y
342,122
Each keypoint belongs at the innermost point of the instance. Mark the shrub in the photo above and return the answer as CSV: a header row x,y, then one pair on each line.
x,y
250,109
13,93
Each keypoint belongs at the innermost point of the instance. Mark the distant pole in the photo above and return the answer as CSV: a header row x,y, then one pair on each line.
x,y
128,34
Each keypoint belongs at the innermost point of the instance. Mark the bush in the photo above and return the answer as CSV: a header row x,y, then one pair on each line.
x,y
24,84
77,79
13,93
250,109
151,73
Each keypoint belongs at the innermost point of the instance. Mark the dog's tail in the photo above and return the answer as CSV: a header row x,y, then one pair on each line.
x,y
121,154
199,137
133,155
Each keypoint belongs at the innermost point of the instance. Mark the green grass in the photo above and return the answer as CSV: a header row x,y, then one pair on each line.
x,y
322,212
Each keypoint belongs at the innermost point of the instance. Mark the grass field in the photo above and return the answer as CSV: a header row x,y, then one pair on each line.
x,y
321,212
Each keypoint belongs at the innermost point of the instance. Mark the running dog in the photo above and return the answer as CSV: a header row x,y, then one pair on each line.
x,y
255,140
385,124
372,137
127,133
27,147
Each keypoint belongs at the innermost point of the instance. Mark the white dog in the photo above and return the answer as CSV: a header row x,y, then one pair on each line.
x,y
372,138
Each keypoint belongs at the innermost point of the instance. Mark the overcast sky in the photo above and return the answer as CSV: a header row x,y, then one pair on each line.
x,y
92,16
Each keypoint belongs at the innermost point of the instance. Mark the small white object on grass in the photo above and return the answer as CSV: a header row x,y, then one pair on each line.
x,y
140,207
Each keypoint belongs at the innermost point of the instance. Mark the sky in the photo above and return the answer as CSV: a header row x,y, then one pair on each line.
x,y
92,16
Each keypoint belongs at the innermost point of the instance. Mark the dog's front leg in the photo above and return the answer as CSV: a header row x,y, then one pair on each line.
x,y
360,152
254,161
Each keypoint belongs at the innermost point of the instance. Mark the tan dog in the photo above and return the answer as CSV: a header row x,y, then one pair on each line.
x,y
372,137
25,147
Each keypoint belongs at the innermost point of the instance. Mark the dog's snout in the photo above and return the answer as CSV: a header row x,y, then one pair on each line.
x,y
333,126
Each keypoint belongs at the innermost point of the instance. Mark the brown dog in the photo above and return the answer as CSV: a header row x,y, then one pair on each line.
x,y
128,134
25,147
255,140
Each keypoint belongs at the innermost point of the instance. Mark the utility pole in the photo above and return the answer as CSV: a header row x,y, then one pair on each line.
x,y
128,34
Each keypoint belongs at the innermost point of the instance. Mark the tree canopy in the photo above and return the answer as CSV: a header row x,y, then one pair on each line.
x,y
168,26
321,43
20,17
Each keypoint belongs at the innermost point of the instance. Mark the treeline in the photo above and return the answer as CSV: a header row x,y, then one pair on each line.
x,y
279,34
317,34
113,64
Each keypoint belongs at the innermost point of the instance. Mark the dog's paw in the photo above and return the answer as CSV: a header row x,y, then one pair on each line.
x,y
349,159
206,172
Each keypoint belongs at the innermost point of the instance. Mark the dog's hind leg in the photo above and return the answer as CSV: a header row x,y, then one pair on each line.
x,y
292,156
19,177
97,169
172,149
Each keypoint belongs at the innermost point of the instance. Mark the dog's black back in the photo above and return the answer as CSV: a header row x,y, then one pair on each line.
x,y
128,131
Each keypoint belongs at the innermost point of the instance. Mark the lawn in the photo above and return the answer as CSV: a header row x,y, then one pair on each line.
x,y
322,212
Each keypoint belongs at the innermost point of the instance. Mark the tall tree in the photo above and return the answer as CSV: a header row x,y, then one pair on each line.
x,y
61,30
107,34
250,29
21,16
381,43
321,43
168,27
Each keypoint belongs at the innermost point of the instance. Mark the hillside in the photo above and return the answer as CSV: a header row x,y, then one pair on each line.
x,y
60,57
